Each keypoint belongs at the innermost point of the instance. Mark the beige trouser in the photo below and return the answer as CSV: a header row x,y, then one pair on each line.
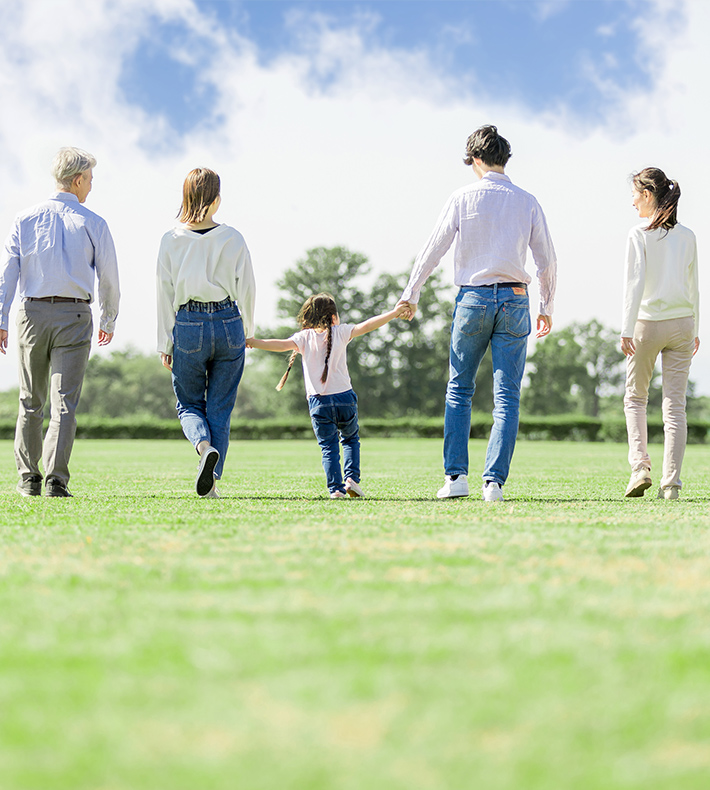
x,y
54,336
673,339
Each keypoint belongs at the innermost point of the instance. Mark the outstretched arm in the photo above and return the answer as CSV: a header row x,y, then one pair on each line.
x,y
272,344
402,310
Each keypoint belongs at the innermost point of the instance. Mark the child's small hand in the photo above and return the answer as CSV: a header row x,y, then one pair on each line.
x,y
250,342
403,310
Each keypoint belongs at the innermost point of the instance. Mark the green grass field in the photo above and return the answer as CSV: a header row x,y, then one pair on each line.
x,y
276,639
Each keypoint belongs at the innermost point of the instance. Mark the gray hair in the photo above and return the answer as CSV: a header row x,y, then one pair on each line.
x,y
68,163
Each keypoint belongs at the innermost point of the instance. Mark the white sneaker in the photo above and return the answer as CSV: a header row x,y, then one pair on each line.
x,y
205,471
672,492
492,492
213,493
639,482
453,488
338,495
353,489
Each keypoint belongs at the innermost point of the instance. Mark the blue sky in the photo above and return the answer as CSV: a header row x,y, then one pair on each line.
x,y
541,55
344,123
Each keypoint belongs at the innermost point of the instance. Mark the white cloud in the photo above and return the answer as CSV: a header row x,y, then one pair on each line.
x,y
366,161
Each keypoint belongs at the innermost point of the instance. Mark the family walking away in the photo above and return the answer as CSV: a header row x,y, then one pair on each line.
x,y
55,251
60,255
332,403
661,310
206,295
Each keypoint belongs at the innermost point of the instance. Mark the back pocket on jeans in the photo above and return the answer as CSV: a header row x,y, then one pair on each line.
x,y
188,337
234,330
469,319
517,319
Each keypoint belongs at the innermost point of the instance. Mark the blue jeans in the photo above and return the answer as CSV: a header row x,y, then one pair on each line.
x,y
330,415
484,315
208,362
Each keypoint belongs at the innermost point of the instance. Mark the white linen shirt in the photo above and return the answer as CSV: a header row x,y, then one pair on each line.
x,y
661,277
205,267
55,249
312,347
494,222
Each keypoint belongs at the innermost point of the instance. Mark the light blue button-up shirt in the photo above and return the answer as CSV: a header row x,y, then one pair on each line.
x,y
54,249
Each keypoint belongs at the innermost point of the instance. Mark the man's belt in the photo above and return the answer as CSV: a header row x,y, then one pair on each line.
x,y
54,299
502,285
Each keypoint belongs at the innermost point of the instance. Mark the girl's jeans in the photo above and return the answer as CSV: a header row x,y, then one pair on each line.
x,y
208,362
498,315
673,340
330,415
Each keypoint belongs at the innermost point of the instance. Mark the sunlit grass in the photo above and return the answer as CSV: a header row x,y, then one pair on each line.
x,y
277,639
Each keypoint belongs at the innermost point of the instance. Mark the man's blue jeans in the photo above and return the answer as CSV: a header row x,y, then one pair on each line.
x,y
208,362
330,415
482,315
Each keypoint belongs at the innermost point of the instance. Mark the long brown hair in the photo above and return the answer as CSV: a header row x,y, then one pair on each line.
x,y
665,192
199,192
317,313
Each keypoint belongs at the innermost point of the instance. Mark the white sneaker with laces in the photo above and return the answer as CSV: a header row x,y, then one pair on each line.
x,y
353,489
453,488
672,492
213,493
492,492
338,495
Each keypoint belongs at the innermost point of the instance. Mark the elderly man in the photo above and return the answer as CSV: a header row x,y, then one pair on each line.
x,y
493,222
54,249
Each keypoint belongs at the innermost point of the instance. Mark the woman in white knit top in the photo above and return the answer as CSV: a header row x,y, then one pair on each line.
x,y
660,316
205,310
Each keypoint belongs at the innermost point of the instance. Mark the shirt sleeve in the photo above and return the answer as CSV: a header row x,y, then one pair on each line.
x,y
543,252
109,293
300,340
634,281
695,288
9,274
433,251
246,290
165,288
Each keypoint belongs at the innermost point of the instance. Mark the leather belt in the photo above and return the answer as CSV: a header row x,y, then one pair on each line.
x,y
502,285
54,299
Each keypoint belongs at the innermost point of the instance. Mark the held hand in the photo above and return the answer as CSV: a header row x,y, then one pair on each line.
x,y
250,342
544,325
3,341
695,350
627,346
402,311
105,337
411,308
167,360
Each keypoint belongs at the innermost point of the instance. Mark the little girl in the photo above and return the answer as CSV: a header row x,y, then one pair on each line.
x,y
332,403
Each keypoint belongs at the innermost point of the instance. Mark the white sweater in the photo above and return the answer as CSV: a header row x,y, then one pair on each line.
x,y
661,278
205,267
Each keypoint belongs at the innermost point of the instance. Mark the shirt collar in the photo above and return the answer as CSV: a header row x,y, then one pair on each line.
x,y
496,176
67,197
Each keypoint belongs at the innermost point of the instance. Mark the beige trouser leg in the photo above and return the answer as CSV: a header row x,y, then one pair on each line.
x,y
673,340
57,338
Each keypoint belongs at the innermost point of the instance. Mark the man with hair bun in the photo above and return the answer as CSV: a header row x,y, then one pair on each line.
x,y
54,250
494,222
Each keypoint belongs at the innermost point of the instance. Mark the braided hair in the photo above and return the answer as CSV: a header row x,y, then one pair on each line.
x,y
317,313
665,192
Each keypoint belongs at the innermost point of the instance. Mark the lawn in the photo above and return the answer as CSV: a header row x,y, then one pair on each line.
x,y
277,640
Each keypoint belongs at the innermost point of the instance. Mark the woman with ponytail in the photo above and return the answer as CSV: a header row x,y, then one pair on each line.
x,y
322,343
660,316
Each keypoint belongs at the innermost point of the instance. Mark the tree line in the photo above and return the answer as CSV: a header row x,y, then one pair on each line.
x,y
399,371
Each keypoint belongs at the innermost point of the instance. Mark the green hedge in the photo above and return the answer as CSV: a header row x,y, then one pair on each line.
x,y
563,427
